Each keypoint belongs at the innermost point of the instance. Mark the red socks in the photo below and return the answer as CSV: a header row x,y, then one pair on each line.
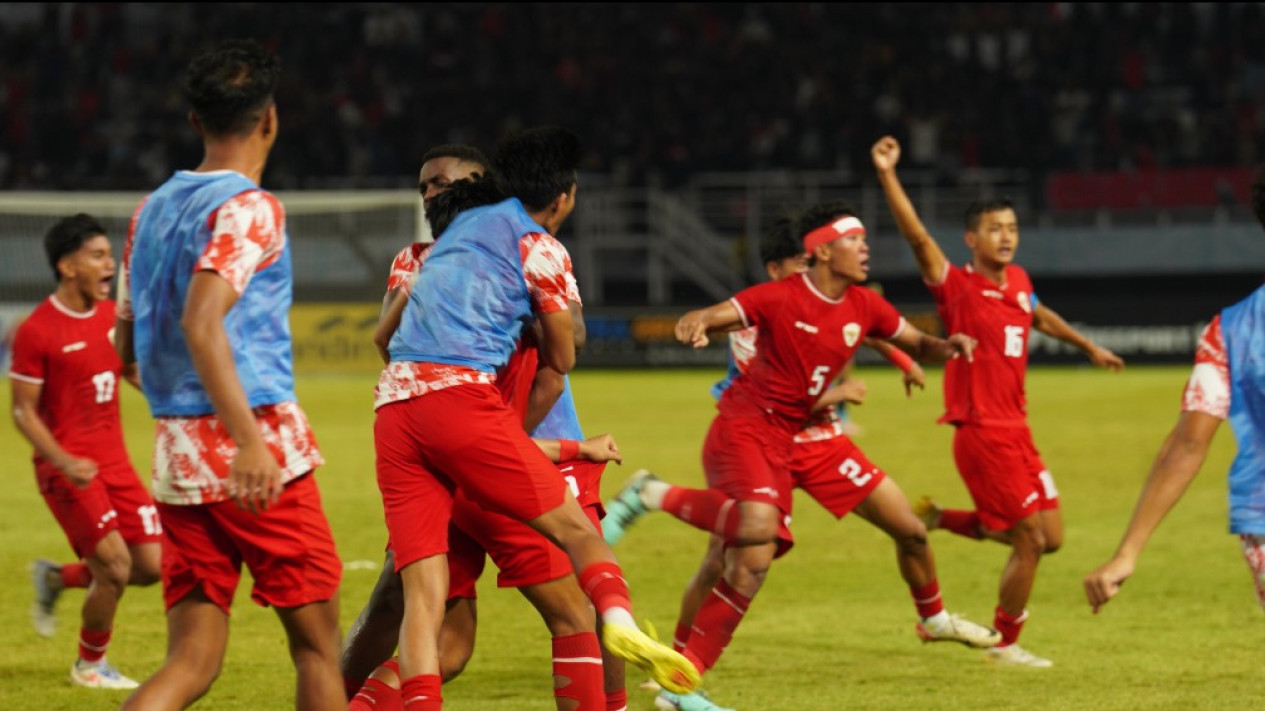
x,y
963,523
604,584
681,636
705,509
377,695
617,700
577,671
421,693
927,599
92,645
714,625
1008,626
76,575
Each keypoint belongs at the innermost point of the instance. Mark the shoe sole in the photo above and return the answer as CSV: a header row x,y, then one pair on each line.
x,y
670,669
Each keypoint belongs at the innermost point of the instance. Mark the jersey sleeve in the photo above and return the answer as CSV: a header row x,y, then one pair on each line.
x,y
755,303
247,234
886,322
1208,390
406,264
29,358
547,268
952,282
124,310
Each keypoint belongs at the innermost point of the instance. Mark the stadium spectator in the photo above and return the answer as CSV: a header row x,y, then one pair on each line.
x,y
208,265
1227,383
992,301
701,86
66,377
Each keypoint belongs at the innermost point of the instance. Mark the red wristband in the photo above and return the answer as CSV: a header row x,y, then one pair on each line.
x,y
900,359
568,450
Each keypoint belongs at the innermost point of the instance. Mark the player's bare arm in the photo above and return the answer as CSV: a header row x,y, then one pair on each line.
x,y
389,320
912,374
926,348
1176,465
254,479
546,388
1047,321
849,390
601,448
692,329
557,340
931,260
26,416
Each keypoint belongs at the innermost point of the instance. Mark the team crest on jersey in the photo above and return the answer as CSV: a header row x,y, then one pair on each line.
x,y
110,335
1025,302
852,334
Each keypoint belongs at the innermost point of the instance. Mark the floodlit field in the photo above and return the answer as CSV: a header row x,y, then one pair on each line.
x,y
833,627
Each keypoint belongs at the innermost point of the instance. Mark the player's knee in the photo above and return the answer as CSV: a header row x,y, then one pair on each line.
x,y
754,531
1052,544
453,660
146,570
112,571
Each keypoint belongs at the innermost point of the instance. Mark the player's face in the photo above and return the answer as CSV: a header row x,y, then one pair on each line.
x,y
786,267
849,257
996,239
438,174
91,268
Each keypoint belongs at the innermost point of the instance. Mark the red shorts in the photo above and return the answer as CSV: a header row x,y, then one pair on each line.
x,y
288,549
523,556
461,436
748,458
115,500
584,479
1004,473
835,472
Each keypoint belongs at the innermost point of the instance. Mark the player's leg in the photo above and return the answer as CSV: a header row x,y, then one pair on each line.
x,y
313,635
699,586
381,691
197,636
77,512
425,588
372,638
887,509
1027,545
579,684
111,566
457,635
147,560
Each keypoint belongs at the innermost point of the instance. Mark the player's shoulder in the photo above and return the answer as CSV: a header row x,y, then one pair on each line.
x,y
35,323
1016,274
254,201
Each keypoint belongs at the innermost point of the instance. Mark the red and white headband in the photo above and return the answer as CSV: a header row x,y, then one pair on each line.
x,y
843,227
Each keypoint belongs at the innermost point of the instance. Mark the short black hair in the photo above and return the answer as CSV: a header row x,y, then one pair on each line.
x,y
231,85
539,164
1258,196
460,151
780,241
67,235
979,207
822,214
462,195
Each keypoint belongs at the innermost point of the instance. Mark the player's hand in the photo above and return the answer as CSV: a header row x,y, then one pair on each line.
x,y
79,471
914,377
852,391
254,478
1104,358
886,154
1103,584
601,448
963,345
692,330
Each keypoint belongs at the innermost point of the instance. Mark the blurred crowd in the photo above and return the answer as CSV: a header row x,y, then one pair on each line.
x,y
89,92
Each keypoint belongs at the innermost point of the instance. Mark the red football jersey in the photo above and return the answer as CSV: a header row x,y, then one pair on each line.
x,y
989,390
804,340
71,356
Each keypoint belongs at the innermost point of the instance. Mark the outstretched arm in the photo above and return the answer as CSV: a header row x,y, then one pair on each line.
x,y
913,374
694,326
926,348
1176,465
1045,320
930,258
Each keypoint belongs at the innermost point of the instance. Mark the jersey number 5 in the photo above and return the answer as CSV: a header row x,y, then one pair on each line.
x,y
818,380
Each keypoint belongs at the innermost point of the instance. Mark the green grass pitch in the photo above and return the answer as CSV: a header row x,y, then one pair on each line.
x,y
833,627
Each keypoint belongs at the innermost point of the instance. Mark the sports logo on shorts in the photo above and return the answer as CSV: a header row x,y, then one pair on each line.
x,y
852,334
